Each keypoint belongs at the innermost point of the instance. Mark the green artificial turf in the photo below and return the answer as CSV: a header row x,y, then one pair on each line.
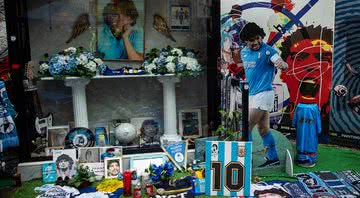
x,y
330,158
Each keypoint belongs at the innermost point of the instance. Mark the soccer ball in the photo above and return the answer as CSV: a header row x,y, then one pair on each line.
x,y
125,133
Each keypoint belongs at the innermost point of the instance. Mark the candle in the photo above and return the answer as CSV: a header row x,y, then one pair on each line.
x,y
127,183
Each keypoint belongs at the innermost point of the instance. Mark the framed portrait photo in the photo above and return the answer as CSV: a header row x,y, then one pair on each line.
x,y
89,154
119,22
190,123
56,135
110,151
65,162
113,166
142,162
180,17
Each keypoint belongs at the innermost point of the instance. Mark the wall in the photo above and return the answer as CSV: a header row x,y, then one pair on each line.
x,y
303,36
345,109
111,99
3,38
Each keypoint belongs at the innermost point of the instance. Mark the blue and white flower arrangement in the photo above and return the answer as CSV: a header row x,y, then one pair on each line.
x,y
179,61
71,62
161,173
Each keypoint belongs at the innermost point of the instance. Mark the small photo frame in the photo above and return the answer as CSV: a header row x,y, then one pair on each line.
x,y
190,123
138,122
89,154
49,150
180,17
113,166
56,135
97,168
65,162
48,172
142,162
110,151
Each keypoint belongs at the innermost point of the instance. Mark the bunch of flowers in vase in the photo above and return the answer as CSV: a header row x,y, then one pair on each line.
x,y
179,61
71,62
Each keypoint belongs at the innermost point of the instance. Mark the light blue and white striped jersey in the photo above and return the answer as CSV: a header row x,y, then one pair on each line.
x,y
228,168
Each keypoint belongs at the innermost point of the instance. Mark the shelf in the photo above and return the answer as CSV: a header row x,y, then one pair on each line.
x,y
110,77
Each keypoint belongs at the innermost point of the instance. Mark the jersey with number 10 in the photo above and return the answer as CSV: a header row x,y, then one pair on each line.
x,y
228,168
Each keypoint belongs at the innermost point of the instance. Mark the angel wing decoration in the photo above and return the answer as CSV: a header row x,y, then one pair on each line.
x,y
81,24
161,26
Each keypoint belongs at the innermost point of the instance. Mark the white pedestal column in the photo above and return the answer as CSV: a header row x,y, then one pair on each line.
x,y
169,97
79,100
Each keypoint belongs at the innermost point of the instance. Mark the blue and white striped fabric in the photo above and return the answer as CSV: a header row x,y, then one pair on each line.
x,y
222,161
346,51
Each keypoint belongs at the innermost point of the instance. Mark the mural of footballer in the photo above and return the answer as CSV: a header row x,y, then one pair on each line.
x,y
308,52
260,63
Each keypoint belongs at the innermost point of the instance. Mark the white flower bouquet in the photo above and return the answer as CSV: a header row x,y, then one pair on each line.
x,y
179,61
71,62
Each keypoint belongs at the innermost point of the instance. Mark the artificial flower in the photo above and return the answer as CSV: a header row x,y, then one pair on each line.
x,y
71,62
70,50
177,51
44,67
170,67
170,58
179,61
98,61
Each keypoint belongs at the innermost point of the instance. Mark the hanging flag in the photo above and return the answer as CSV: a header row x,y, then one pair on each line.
x,y
177,153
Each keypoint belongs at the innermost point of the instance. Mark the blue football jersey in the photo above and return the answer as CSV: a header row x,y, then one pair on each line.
x,y
307,121
259,70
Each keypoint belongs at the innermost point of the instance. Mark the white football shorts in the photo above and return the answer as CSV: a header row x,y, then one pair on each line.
x,y
262,101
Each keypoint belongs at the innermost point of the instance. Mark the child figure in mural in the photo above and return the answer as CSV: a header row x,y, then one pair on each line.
x,y
260,62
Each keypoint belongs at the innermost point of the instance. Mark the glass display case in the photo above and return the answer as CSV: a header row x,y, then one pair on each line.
x,y
101,64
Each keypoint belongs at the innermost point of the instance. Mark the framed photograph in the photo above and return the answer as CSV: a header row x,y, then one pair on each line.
x,y
110,151
142,162
48,172
180,17
113,166
190,123
97,168
138,122
49,150
118,21
65,162
56,135
148,129
89,154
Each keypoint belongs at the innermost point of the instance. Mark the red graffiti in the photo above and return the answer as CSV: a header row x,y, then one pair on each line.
x,y
309,74
279,4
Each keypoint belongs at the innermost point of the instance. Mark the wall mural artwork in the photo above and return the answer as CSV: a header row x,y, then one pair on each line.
x,y
345,100
302,32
